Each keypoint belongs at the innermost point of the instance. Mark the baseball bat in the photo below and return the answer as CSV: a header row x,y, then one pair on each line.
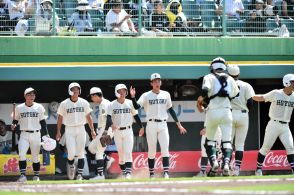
x,y
13,111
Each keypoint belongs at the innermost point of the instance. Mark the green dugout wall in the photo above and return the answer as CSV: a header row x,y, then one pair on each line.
x,y
108,58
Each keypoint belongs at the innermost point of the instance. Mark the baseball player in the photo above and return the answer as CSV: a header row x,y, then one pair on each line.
x,y
8,139
219,89
120,116
282,103
74,112
156,103
95,146
31,118
241,104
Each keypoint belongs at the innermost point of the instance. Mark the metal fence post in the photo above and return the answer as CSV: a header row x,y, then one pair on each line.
x,y
224,19
140,18
53,20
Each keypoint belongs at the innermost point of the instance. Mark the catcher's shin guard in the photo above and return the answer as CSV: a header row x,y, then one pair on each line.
x,y
210,147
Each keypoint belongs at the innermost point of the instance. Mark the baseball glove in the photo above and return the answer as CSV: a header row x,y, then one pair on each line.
x,y
105,139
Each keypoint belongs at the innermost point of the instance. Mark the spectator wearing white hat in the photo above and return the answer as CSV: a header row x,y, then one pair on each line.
x,y
81,19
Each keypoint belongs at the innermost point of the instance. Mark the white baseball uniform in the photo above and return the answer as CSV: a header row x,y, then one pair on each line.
x,y
122,116
240,114
29,124
74,119
156,106
280,114
95,146
218,112
6,142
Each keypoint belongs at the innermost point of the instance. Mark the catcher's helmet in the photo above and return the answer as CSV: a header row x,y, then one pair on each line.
x,y
233,70
287,79
218,63
48,143
72,85
118,87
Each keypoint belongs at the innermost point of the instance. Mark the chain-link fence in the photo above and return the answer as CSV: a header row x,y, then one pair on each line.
x,y
147,17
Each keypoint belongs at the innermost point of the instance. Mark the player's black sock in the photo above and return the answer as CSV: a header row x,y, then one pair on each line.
x,y
128,167
290,158
238,158
22,167
123,168
204,161
100,166
151,163
81,164
36,168
260,159
70,162
165,163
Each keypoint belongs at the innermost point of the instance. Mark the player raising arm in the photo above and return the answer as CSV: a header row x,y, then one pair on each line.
x,y
282,103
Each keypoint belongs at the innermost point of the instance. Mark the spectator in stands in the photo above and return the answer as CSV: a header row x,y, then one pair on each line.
x,y
288,9
3,15
234,11
44,19
177,19
16,9
96,4
255,23
270,9
234,8
259,5
159,21
118,20
81,19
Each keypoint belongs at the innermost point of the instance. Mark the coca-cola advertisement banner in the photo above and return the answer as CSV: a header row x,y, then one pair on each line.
x,y
189,161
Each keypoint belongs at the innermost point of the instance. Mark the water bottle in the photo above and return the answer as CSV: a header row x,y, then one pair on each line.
x,y
212,23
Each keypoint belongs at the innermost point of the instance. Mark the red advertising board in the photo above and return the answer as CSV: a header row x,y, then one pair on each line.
x,y
189,161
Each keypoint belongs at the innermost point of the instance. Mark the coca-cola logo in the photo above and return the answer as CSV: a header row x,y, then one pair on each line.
x,y
141,161
275,160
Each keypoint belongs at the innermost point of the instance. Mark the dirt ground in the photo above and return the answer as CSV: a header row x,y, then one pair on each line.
x,y
147,187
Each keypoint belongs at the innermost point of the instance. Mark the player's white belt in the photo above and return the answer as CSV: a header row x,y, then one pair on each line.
x,y
124,128
157,120
282,122
29,131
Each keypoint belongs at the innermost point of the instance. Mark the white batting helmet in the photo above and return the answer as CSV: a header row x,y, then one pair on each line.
x,y
233,70
287,79
155,76
218,63
73,85
118,87
48,143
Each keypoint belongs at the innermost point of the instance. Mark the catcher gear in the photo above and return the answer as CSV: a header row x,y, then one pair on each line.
x,y
48,143
287,79
118,87
105,139
218,63
72,85
2,127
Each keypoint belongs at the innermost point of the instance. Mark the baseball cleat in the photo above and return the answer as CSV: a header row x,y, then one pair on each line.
x,y
36,178
79,177
71,171
165,175
22,178
236,171
258,172
152,176
215,166
98,177
201,174
128,176
226,170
